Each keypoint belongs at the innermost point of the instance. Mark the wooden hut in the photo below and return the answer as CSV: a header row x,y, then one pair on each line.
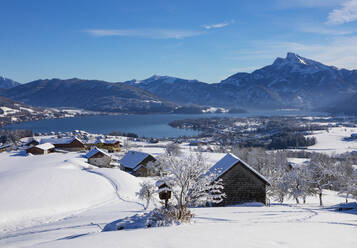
x,y
99,157
41,149
241,182
136,163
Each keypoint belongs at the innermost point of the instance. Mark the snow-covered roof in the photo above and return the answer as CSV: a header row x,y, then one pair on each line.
x,y
227,162
94,151
56,141
101,141
45,146
133,158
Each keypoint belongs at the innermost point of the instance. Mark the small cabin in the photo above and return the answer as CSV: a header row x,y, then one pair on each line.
x,y
99,157
41,149
136,163
241,182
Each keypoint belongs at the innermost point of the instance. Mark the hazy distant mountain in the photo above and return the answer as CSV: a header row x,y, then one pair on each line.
x,y
346,106
291,82
183,91
295,81
88,94
6,83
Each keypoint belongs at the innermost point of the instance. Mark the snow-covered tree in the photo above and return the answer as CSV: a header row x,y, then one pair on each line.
x,y
173,149
323,171
146,192
190,181
347,179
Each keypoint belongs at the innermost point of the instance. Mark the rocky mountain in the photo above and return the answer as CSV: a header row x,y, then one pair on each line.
x,y
291,82
295,81
89,94
6,83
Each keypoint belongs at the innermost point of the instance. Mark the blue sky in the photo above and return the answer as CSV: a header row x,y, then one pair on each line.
x,y
205,40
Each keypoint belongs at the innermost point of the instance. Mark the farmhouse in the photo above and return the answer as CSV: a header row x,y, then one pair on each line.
x,y
136,163
68,144
241,182
98,157
110,145
41,149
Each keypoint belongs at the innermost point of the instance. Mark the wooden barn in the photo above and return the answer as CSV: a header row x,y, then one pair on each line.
x,y
99,157
67,144
136,163
41,149
110,145
241,182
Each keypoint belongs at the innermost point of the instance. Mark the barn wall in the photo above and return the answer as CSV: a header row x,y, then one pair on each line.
x,y
241,186
35,151
75,145
103,161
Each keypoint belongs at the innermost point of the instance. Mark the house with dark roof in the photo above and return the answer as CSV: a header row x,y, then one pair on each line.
x,y
136,163
241,182
99,157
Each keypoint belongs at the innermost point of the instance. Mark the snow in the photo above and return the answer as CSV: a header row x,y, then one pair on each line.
x,y
287,225
133,158
227,162
334,141
59,140
45,146
8,111
59,200
94,151
27,109
47,188
298,162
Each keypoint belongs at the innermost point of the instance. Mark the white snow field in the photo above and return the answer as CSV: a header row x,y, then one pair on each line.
x,y
333,141
58,200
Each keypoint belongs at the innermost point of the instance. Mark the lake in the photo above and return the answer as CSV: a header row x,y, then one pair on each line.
x,y
151,125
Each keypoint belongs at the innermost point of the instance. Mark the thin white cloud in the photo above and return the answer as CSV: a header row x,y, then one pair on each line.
x,y
218,25
145,33
319,29
347,12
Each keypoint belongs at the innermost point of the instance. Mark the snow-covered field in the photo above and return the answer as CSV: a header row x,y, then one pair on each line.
x,y
332,141
58,200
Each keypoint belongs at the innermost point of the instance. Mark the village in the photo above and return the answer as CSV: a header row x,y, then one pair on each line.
x,y
131,183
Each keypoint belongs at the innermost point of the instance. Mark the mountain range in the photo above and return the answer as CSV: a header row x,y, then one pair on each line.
x,y
290,82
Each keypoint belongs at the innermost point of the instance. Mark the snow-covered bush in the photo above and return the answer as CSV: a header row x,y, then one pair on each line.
x,y
168,216
146,192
